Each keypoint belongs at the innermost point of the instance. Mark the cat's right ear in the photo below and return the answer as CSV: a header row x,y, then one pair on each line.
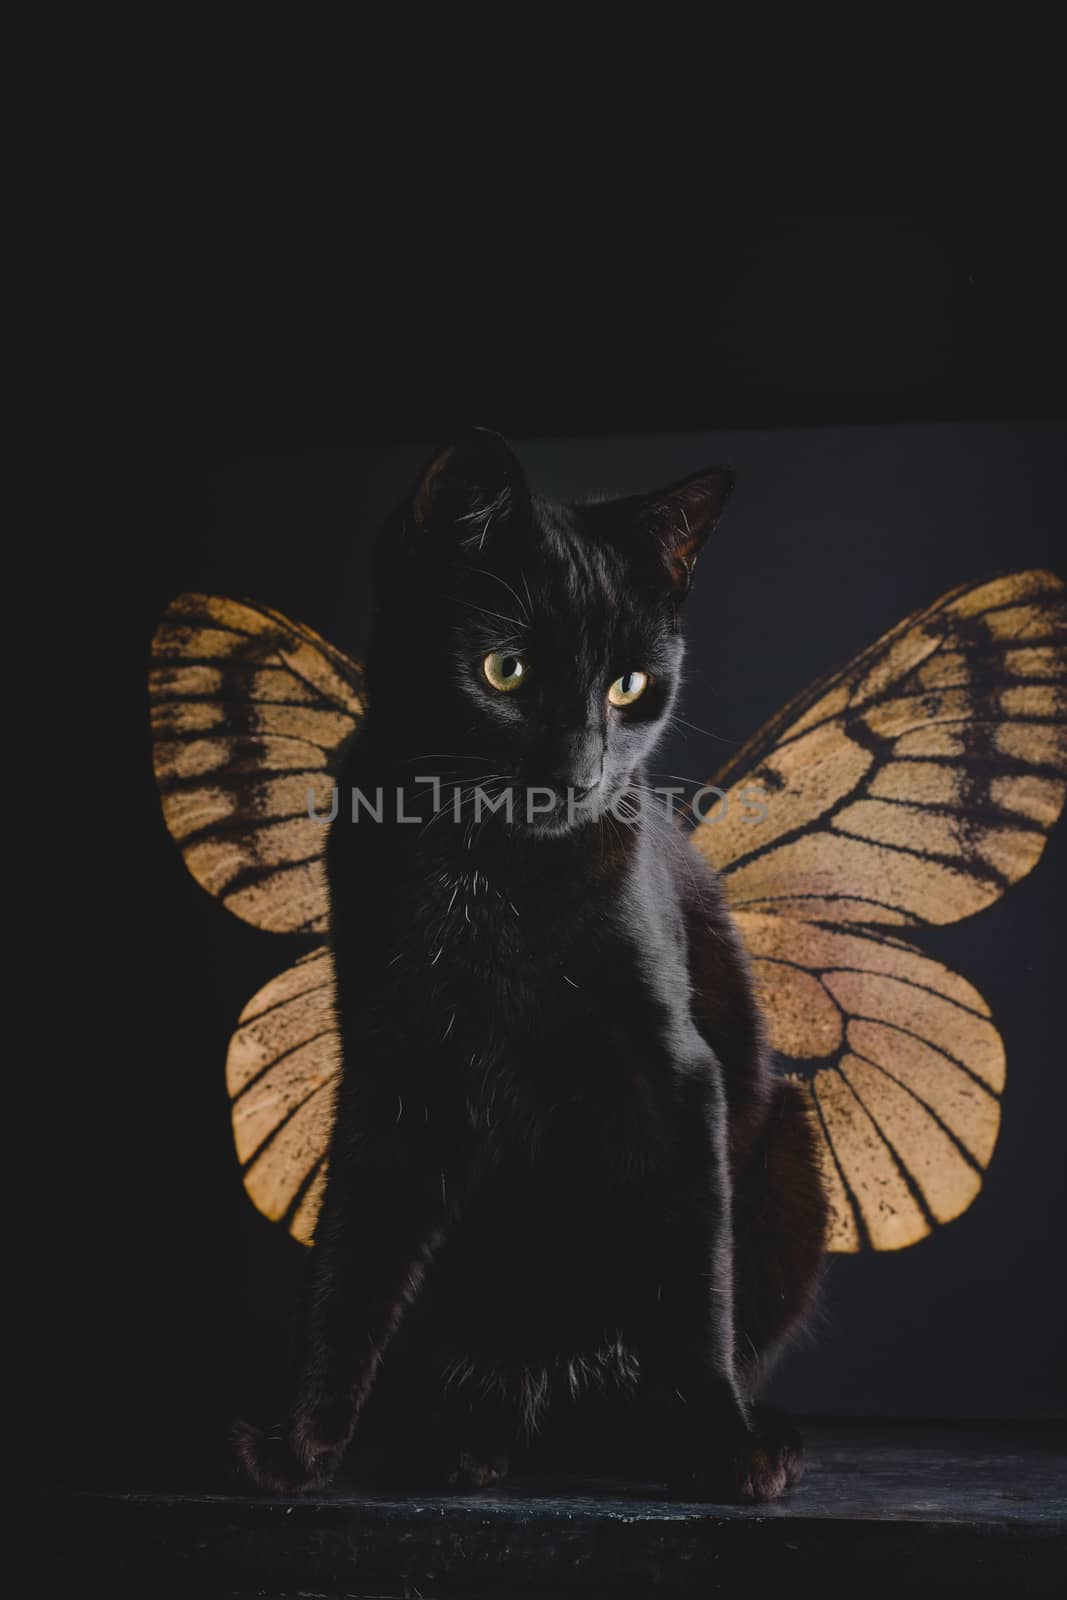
x,y
472,487
679,520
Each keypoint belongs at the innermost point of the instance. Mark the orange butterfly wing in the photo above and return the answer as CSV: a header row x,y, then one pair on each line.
x,y
249,713
281,1076
903,1065
913,786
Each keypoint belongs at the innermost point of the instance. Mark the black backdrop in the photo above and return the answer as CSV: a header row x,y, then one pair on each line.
x,y
162,1293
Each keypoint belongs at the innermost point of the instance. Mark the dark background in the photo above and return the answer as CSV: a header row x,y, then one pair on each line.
x,y
278,420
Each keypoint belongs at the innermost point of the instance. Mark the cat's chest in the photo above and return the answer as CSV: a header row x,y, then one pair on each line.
x,y
478,950
550,1010
486,961
466,916
545,984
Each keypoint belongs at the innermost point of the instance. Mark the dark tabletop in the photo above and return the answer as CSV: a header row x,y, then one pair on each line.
x,y
882,1506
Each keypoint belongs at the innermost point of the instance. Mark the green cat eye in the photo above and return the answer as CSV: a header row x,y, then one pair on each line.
x,y
630,687
505,670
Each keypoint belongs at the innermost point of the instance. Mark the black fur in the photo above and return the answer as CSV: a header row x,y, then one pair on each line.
x,y
562,1171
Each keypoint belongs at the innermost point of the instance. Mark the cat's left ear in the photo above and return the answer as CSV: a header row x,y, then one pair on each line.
x,y
471,487
680,518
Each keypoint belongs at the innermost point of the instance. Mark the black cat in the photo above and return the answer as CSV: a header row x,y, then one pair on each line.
x,y
562,1167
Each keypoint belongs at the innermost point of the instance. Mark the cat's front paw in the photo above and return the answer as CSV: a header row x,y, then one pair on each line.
x,y
278,1462
758,1466
473,1471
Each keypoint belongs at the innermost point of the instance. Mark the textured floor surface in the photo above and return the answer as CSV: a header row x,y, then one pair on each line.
x,y
881,1507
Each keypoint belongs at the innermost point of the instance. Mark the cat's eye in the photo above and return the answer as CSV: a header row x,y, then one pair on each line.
x,y
505,670
630,687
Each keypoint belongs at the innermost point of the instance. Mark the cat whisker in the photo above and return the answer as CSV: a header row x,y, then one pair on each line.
x,y
722,739
458,797
697,783
445,755
512,622
485,573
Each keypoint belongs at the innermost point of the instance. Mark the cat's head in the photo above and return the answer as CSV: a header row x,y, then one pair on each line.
x,y
529,644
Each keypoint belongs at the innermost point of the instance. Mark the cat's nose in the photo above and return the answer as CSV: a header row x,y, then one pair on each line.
x,y
580,791
578,765
580,783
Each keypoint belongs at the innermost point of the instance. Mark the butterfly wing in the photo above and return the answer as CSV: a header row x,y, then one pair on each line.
x,y
917,783
249,714
903,1066
281,1075
911,787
